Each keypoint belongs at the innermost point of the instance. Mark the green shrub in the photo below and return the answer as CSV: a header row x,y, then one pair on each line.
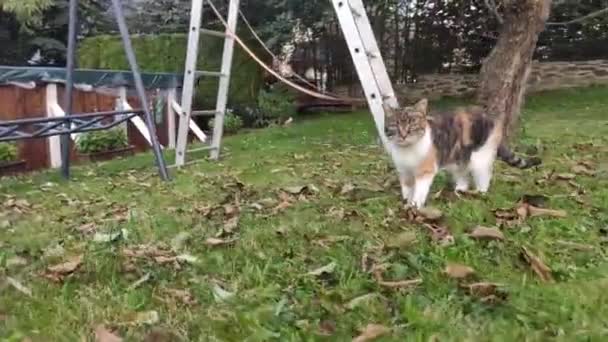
x,y
8,152
276,105
101,141
232,123
167,53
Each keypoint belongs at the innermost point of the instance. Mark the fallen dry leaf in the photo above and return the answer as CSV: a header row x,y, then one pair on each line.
x,y
440,234
362,300
327,328
458,271
184,296
565,176
575,246
213,242
371,332
329,268
534,212
104,335
58,272
231,225
584,168
538,266
220,294
401,284
482,289
296,190
159,335
430,213
147,318
19,286
347,189
486,233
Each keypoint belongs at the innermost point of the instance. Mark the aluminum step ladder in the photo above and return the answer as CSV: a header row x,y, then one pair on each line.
x,y
367,59
184,110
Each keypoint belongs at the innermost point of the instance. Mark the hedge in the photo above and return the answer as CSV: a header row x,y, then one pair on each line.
x,y
167,53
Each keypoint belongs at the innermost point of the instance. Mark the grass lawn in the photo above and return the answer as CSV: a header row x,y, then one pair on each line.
x,y
298,234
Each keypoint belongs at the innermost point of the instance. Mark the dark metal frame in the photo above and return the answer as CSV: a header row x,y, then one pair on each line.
x,y
64,126
86,122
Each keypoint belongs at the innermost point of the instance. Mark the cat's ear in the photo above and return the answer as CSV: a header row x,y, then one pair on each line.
x,y
422,106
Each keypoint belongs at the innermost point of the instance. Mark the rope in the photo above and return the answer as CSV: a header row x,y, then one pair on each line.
x,y
271,54
238,40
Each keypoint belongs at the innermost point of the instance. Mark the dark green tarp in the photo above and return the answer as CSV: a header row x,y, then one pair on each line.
x,y
95,78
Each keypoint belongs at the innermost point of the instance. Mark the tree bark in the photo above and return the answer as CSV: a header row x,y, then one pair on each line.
x,y
505,71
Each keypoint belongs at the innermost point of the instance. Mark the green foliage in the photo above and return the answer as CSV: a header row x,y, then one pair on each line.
x,y
232,123
8,152
167,53
101,141
276,104
28,12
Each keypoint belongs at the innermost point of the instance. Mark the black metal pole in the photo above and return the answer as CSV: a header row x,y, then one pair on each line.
x,y
69,86
139,85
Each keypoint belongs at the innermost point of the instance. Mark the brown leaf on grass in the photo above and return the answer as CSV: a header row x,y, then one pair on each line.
x,y
327,328
329,268
482,289
575,246
440,234
430,213
506,217
184,296
160,335
230,209
231,225
17,285
371,332
58,272
301,190
400,284
584,168
326,242
213,242
102,334
281,206
538,266
486,233
347,188
534,212
458,271
565,176
87,228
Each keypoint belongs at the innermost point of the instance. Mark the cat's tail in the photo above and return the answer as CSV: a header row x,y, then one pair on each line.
x,y
507,156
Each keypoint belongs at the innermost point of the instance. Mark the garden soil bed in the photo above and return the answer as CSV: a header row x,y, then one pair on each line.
x,y
107,155
13,167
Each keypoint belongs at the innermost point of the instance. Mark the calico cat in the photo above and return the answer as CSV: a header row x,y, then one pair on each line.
x,y
464,142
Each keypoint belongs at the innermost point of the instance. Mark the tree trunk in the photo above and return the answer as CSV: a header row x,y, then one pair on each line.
x,y
505,71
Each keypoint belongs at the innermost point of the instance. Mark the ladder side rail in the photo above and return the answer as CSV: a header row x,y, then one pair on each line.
x,y
224,84
196,14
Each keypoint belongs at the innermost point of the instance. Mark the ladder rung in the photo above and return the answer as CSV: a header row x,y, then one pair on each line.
x,y
213,33
210,73
204,112
204,148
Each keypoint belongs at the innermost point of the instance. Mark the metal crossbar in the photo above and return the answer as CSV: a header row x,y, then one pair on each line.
x,y
70,123
66,125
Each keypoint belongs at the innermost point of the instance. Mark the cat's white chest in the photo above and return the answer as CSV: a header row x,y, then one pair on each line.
x,y
409,158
